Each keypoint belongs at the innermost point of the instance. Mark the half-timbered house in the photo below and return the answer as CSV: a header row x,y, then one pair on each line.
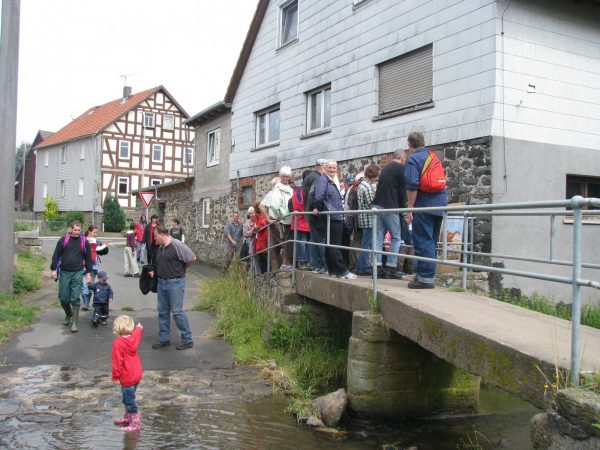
x,y
135,141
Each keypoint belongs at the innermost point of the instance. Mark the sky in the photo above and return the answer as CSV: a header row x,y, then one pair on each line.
x,y
73,53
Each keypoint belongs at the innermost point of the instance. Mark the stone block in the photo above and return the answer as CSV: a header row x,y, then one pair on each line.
x,y
580,407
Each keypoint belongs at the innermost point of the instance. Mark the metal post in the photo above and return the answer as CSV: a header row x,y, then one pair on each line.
x,y
465,248
295,220
268,248
328,228
576,306
373,256
552,231
444,236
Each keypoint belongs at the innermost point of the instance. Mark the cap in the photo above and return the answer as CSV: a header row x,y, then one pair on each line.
x,y
349,180
321,162
103,275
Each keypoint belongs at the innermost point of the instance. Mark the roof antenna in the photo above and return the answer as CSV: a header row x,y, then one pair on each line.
x,y
127,89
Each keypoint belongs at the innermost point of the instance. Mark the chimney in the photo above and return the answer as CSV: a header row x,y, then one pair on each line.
x,y
126,92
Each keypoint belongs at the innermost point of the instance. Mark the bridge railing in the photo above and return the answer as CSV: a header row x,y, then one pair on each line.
x,y
469,213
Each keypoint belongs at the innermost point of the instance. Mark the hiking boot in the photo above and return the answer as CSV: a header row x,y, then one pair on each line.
x,y
416,284
160,344
381,272
392,274
185,345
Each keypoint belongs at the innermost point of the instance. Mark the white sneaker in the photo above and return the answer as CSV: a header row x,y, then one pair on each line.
x,y
348,276
285,268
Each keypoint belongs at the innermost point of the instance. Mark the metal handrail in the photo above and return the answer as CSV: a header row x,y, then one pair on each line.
x,y
469,213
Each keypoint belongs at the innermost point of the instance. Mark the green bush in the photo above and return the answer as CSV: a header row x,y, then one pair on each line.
x,y
21,227
28,273
51,209
59,223
74,215
114,217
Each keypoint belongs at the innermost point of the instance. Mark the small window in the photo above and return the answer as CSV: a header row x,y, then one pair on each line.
x,y
148,120
123,186
124,149
247,197
168,122
82,153
188,156
81,186
267,127
288,22
584,186
62,157
157,152
406,82
155,182
46,159
205,212
213,148
45,189
62,188
319,109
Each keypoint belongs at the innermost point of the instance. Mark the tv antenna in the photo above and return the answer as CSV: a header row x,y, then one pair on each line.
x,y
124,76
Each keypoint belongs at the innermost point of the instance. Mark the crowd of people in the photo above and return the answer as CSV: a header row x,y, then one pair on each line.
x,y
396,185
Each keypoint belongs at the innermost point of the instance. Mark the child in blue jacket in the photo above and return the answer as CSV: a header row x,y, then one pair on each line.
x,y
103,295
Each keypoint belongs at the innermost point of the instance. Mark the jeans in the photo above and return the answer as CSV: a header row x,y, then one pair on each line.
x,y
363,262
140,250
129,398
170,301
388,222
425,235
302,252
318,235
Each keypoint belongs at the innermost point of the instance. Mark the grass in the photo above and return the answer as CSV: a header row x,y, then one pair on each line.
x,y
15,312
309,363
21,226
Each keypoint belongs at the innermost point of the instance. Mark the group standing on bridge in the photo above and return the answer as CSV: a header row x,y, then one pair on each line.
x,y
404,182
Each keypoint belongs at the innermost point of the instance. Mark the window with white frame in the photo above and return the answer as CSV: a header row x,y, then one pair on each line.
x,y
46,158
82,152
62,157
148,120
168,122
205,212
406,82
62,188
318,109
80,186
188,156
157,152
267,127
155,182
288,22
45,190
213,148
124,149
123,186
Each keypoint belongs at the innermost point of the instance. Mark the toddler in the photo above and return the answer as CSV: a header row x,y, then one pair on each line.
x,y
127,368
103,295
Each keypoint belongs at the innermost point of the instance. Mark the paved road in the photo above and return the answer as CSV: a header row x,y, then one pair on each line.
x,y
48,342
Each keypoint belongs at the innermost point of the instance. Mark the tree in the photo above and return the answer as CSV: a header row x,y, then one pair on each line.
x,y
51,209
114,217
19,156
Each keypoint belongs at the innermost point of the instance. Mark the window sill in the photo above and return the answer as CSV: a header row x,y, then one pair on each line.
x,y
568,220
262,147
208,164
316,133
286,45
404,111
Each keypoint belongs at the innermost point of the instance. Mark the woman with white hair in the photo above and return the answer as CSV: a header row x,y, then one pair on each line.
x,y
327,198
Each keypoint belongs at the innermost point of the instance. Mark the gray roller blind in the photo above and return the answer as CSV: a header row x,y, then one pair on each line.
x,y
406,81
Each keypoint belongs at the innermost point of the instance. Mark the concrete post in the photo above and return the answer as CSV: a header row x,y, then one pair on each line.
x,y
389,375
9,61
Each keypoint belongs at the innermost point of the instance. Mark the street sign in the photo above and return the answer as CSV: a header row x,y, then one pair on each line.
x,y
147,197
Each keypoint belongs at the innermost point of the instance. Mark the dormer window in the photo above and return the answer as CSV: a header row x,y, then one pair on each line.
x,y
288,22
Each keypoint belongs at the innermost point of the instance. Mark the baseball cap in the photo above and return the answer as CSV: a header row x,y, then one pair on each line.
x,y
321,162
102,275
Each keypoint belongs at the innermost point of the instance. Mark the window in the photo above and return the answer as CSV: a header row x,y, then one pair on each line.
x,y
62,157
213,148
406,82
267,127
81,186
46,159
62,188
247,197
82,153
168,122
45,189
584,186
288,22
318,109
188,156
148,120
157,152
205,212
155,182
123,186
124,149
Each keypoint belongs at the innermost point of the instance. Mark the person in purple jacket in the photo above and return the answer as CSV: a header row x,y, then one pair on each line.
x,y
425,225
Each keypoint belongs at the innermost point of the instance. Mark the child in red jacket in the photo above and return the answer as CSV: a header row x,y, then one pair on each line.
x,y
127,368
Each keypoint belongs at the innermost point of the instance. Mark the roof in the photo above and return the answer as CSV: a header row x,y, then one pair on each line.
x,y
209,113
157,187
96,119
259,15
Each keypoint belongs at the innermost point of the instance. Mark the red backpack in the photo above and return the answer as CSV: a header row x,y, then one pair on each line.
x,y
433,175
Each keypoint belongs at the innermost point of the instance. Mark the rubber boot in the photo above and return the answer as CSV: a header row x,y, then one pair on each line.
x,y
75,322
68,314
135,424
125,420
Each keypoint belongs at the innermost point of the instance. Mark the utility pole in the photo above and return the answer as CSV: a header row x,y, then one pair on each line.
x,y
9,71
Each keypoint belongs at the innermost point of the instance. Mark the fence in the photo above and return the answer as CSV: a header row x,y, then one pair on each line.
x,y
469,213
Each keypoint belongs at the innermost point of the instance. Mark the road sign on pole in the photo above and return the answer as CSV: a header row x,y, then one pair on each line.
x,y
147,197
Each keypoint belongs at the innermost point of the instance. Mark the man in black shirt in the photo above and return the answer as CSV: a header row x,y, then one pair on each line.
x,y
318,234
71,259
172,259
390,193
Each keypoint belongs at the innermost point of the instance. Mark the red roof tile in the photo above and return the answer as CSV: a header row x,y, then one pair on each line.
x,y
97,118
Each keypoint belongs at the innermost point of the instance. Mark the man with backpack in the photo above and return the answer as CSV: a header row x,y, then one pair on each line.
x,y
72,257
426,185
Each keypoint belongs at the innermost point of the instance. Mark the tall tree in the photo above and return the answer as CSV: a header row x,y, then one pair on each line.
x,y
24,146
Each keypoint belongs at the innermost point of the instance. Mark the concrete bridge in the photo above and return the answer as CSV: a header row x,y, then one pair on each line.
x,y
508,346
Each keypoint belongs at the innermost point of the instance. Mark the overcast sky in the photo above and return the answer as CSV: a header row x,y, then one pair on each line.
x,y
72,54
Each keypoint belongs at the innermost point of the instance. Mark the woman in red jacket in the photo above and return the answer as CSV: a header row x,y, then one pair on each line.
x,y
260,241
127,368
303,234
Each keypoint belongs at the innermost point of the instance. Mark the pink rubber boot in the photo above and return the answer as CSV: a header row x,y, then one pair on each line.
x,y
134,423
125,420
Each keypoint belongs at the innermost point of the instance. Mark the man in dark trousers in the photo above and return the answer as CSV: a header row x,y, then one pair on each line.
x,y
71,259
172,259
318,233
150,239
390,193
